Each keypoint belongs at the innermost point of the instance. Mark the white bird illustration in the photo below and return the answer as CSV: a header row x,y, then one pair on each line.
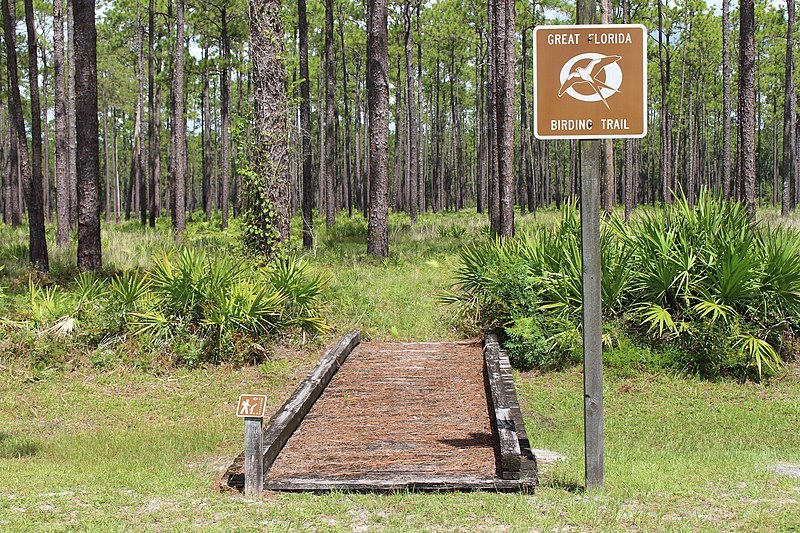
x,y
585,75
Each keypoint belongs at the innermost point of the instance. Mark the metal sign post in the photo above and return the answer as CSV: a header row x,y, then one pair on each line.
x,y
251,408
590,82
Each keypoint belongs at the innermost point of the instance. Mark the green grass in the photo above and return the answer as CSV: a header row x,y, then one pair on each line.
x,y
124,449
102,447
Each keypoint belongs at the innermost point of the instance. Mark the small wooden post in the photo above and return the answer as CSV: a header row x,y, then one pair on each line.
x,y
253,456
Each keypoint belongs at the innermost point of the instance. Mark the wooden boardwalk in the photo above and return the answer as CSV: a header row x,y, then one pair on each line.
x,y
402,416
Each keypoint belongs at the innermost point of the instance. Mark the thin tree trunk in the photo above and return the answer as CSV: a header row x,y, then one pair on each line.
x,y
225,118
747,111
34,194
726,100
378,98
207,200
72,187
105,166
305,127
788,112
152,148
609,175
117,194
48,213
179,128
330,207
666,171
141,165
411,119
31,182
348,182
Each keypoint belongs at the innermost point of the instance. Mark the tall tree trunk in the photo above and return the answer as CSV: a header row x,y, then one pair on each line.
x,y
504,31
157,159
330,206
494,180
141,163
179,128
788,112
480,108
628,185
88,148
117,193
399,140
378,98
305,128
348,183
32,184
666,171
225,118
48,213
726,100
106,169
411,118
747,101
609,175
71,133
270,157
152,148
207,198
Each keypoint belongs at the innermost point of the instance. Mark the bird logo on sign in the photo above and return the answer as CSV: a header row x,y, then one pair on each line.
x,y
591,77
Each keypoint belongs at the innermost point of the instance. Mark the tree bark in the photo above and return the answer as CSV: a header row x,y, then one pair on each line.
x,y
152,149
106,169
726,100
348,182
141,164
271,150
378,98
46,203
330,205
207,198
88,148
179,128
411,118
72,187
305,130
609,175
31,180
225,118
747,101
506,137
788,112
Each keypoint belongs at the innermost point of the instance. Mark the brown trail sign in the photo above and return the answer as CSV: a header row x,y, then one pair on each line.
x,y
590,81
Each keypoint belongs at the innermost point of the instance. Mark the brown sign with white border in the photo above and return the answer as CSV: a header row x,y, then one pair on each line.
x,y
251,405
590,81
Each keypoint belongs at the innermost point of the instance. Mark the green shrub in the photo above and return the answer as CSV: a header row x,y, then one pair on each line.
x,y
226,302
703,278
527,344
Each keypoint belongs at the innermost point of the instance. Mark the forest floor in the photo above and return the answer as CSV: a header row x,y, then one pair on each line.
x,y
119,448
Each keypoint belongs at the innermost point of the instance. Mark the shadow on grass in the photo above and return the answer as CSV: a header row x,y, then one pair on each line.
x,y
12,447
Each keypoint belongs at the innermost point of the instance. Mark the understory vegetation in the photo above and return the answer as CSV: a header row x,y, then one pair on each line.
x,y
137,431
699,288
206,301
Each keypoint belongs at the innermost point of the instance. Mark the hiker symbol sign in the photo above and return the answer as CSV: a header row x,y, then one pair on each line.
x,y
251,405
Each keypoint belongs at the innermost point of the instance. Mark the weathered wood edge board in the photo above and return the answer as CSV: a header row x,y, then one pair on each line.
x,y
515,458
288,418
400,483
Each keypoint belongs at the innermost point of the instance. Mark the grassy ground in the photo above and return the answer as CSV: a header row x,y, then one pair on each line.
x,y
119,448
